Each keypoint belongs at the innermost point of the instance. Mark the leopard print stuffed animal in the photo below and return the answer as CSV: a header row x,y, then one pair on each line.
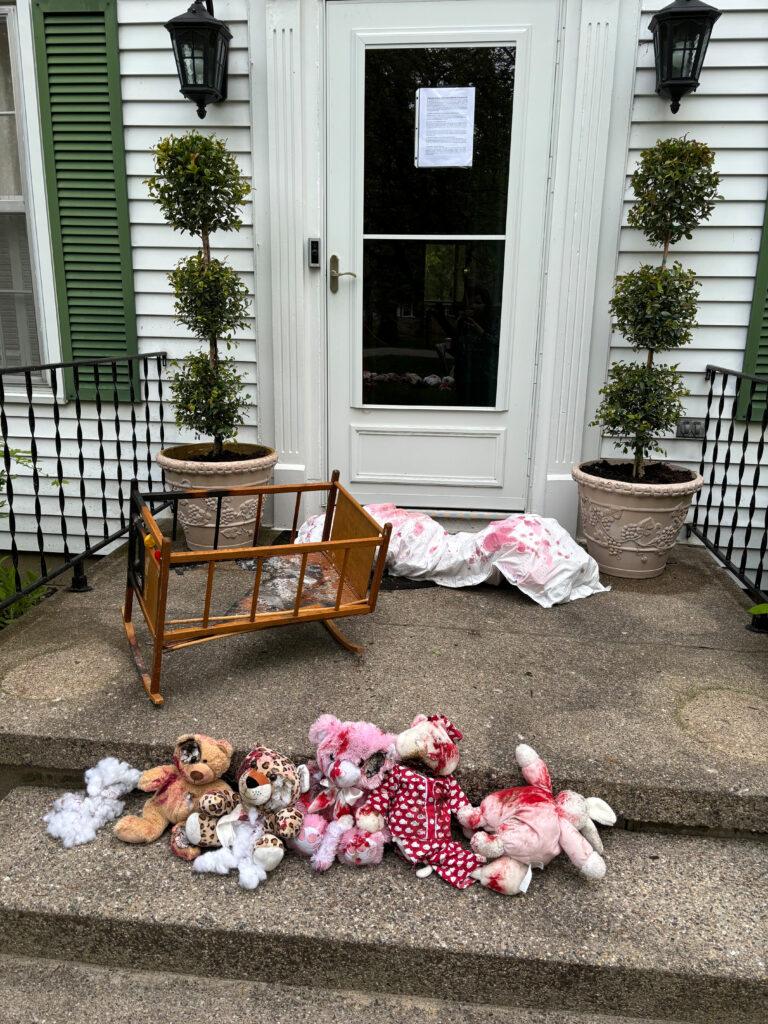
x,y
250,836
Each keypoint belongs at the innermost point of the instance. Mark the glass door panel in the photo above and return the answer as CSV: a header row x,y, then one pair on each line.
x,y
434,237
431,320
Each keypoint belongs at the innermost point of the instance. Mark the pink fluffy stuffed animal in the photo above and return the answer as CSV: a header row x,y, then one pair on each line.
x,y
351,760
532,825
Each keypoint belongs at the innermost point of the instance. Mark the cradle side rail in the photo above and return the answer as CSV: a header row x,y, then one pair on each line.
x,y
352,550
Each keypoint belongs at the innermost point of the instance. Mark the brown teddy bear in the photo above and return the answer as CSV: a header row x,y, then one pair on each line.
x,y
177,789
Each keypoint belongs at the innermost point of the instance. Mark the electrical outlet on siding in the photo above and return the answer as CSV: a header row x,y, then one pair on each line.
x,y
690,427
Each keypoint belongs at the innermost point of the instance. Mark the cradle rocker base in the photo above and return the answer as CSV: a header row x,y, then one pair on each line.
x,y
341,639
338,576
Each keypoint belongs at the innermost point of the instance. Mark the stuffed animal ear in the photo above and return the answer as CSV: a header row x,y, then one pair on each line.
x,y
600,811
184,738
226,747
303,773
417,719
324,725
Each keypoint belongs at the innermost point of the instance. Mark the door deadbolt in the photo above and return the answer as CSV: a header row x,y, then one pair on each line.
x,y
335,274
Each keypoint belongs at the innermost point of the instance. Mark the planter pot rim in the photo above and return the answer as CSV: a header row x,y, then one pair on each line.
x,y
169,460
627,487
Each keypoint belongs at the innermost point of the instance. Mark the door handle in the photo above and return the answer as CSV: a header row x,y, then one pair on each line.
x,y
335,274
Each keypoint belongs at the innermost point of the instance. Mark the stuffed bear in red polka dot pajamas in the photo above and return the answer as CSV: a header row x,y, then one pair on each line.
x,y
416,808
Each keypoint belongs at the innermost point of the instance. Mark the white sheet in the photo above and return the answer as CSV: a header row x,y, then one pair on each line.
x,y
534,554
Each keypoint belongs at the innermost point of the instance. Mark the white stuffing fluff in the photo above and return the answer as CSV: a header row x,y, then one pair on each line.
x,y
239,854
76,817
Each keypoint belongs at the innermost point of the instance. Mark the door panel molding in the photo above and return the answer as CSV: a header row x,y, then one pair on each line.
x,y
461,446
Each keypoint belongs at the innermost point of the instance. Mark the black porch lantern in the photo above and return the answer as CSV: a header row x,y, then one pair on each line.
x,y
201,48
680,39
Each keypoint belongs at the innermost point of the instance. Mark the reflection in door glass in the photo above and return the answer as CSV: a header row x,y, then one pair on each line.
x,y
431,303
404,199
431,313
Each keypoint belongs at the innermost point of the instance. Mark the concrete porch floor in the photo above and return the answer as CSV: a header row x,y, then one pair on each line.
x,y
653,696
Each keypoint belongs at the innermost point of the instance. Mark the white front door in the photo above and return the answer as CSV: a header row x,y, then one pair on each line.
x,y
436,224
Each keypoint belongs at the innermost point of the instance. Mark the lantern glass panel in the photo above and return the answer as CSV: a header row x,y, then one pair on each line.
x,y
686,44
222,45
193,59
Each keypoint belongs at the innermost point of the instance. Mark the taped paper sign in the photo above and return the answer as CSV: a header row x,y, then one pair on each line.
x,y
445,127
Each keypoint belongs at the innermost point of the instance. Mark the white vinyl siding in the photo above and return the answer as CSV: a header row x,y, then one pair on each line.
x,y
730,113
152,107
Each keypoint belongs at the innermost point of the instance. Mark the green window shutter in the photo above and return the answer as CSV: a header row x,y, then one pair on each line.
x,y
79,81
756,352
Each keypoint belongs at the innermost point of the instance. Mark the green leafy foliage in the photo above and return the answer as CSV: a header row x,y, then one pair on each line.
x,y
211,298
8,589
208,397
655,307
197,184
640,402
200,189
675,186
21,459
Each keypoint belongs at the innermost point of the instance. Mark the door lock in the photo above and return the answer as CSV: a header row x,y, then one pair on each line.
x,y
335,274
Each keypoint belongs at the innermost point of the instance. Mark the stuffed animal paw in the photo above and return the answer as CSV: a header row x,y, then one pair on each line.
x,y
360,849
198,832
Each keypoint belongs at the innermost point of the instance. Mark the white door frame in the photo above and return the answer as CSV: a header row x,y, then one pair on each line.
x,y
596,67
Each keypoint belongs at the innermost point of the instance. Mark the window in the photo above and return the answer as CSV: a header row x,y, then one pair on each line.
x,y
19,337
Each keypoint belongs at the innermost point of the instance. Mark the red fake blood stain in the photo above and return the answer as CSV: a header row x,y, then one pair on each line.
x,y
343,744
496,882
358,842
161,793
500,534
441,752
523,796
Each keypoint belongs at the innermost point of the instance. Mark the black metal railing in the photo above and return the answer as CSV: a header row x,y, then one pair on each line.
x,y
90,427
730,514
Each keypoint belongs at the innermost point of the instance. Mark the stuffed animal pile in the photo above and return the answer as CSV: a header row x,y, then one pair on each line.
x,y
364,789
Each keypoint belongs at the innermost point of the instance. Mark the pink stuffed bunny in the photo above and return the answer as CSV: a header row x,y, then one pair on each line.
x,y
416,807
531,825
351,760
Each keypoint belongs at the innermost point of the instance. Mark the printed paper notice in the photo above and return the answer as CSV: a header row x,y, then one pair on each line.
x,y
445,127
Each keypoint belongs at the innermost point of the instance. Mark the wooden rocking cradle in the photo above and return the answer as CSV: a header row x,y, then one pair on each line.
x,y
335,577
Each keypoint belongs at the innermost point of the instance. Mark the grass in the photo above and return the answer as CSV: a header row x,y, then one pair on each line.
x,y
8,589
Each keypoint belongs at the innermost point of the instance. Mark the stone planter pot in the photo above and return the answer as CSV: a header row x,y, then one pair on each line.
x,y
198,517
631,527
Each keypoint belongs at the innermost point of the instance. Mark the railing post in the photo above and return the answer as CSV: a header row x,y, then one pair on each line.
x,y
80,584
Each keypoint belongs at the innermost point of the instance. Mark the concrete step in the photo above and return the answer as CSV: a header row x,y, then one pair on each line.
x,y
677,929
36,991
652,696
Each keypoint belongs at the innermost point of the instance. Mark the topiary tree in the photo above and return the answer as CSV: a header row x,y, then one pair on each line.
x,y
200,189
654,307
